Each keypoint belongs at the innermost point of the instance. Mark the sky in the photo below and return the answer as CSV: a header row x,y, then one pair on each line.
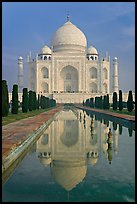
x,y
108,26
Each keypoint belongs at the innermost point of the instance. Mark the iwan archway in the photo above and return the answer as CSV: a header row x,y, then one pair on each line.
x,y
68,80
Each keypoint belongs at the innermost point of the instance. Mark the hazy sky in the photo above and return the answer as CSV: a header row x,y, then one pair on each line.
x,y
109,26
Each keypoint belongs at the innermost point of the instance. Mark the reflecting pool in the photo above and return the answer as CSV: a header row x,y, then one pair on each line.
x,y
73,160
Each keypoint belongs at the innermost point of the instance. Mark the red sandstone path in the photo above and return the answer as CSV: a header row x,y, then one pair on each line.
x,y
15,133
118,115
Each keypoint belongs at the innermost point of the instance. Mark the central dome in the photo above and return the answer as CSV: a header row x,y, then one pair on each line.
x,y
69,38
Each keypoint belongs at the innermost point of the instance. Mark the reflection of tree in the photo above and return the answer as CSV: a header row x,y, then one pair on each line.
x,y
87,112
130,131
110,144
109,151
120,129
114,125
91,114
98,117
80,117
105,121
108,123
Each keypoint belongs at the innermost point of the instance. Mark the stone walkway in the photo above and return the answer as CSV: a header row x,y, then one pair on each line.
x,y
118,115
16,133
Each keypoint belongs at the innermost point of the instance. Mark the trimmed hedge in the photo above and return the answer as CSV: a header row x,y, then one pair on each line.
x,y
25,100
14,109
5,99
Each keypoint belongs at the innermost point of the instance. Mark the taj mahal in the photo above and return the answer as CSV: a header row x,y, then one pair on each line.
x,y
68,70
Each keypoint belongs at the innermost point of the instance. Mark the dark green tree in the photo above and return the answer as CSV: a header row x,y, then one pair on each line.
x,y
30,103
107,102
130,105
38,102
120,104
5,99
91,102
101,103
34,102
87,102
14,108
114,101
25,100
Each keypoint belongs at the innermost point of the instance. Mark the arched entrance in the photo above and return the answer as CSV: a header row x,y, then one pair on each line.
x,y
68,80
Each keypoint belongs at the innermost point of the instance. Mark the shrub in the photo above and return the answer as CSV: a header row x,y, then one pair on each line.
x,y
30,103
5,99
120,104
130,105
25,100
14,108
114,101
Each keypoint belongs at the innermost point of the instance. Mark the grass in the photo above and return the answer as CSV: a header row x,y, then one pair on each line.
x,y
14,117
124,111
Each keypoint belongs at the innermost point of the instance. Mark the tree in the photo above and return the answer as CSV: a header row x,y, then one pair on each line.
x,y
114,100
91,102
120,104
87,102
5,99
101,103
107,102
38,102
30,103
33,100
14,108
130,105
25,100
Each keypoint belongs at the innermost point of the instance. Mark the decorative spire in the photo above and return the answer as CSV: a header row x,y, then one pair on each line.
x,y
68,17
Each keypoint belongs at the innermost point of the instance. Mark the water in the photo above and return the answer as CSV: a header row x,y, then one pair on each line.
x,y
71,161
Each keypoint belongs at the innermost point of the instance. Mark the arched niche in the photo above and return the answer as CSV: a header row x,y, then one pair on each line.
x,y
105,73
69,79
93,87
45,72
93,73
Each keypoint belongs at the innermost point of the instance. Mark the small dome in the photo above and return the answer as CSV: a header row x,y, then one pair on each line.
x,y
92,51
45,50
20,58
92,160
69,35
45,161
115,59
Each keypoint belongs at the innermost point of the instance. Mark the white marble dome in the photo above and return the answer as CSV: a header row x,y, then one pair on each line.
x,y
45,50
68,37
92,51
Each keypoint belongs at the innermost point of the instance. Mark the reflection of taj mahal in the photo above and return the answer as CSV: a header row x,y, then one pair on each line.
x,y
68,71
68,146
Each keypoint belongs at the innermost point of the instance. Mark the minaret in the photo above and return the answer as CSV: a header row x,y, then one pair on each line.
x,y
68,17
20,74
115,75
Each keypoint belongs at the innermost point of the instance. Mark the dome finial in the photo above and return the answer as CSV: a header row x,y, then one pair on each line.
x,y
68,17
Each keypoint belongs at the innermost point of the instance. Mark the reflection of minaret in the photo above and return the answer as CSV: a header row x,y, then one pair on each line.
x,y
115,75
20,74
116,141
